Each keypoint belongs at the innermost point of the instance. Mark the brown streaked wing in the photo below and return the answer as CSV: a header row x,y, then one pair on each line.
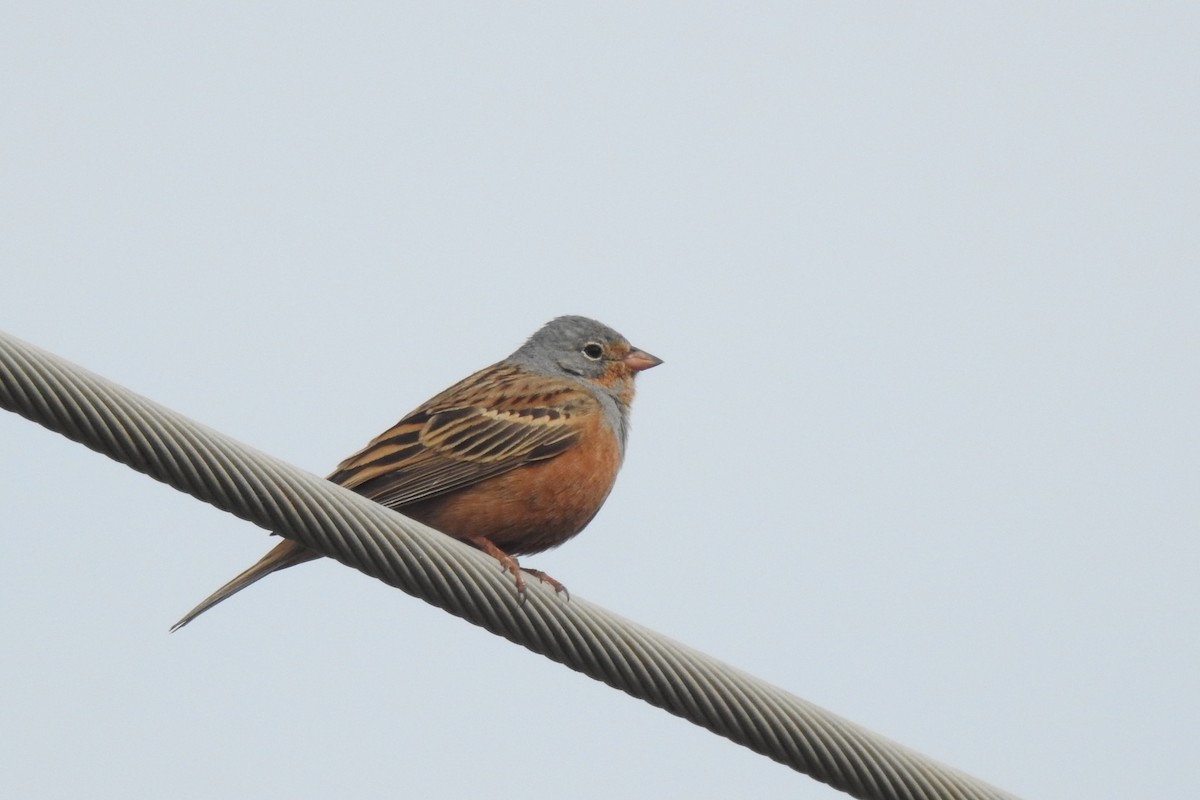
x,y
488,424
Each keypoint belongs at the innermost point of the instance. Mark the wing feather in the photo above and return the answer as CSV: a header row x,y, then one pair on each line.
x,y
493,422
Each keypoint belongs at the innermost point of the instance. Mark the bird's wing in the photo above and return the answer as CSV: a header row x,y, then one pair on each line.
x,y
490,423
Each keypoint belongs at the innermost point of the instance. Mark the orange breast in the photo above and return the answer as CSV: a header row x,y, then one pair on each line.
x,y
537,506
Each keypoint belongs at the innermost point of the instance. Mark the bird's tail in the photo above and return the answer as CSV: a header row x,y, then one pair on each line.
x,y
285,554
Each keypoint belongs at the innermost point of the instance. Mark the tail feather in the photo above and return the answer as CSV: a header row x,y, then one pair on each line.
x,y
285,554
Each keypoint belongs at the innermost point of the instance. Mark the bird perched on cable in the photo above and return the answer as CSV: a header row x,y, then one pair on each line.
x,y
514,459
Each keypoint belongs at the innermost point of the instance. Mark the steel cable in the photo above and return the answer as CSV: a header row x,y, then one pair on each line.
x,y
457,578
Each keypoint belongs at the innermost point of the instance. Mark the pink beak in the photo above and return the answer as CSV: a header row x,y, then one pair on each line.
x,y
638,360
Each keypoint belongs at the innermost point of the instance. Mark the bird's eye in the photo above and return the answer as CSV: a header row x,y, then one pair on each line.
x,y
593,351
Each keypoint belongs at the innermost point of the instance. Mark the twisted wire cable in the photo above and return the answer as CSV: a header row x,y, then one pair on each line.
x,y
457,578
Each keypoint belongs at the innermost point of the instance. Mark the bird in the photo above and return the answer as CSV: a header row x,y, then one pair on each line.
x,y
513,460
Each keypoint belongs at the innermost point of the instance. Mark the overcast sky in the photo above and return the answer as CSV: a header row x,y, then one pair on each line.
x,y
924,450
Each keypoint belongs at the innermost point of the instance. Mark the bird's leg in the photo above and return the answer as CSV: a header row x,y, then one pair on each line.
x,y
507,562
510,564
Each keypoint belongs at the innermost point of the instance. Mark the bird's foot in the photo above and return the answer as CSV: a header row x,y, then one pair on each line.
x,y
544,578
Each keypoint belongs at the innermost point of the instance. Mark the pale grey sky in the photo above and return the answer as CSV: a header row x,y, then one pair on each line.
x,y
924,449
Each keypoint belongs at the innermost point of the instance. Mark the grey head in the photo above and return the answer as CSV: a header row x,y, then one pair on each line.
x,y
591,352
